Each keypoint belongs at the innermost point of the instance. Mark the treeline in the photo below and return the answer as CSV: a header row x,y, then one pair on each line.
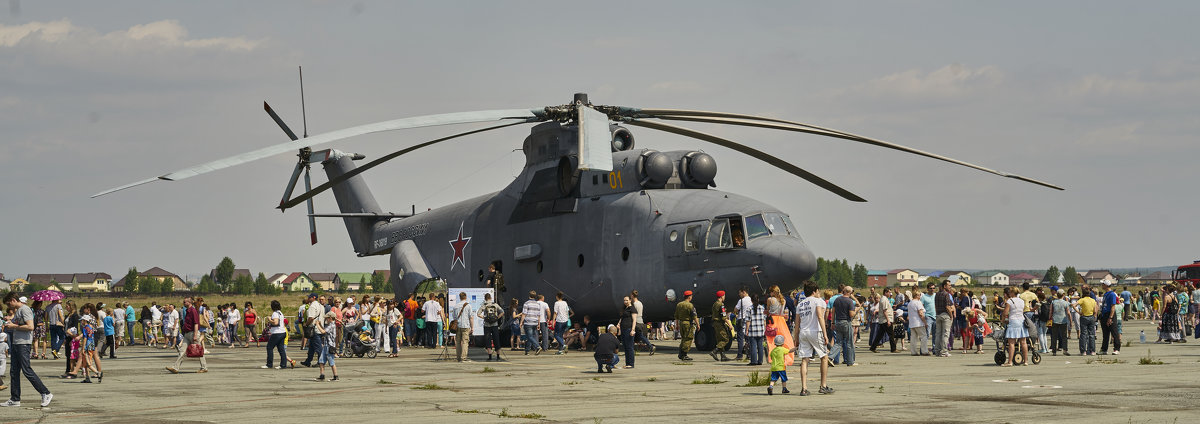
x,y
833,273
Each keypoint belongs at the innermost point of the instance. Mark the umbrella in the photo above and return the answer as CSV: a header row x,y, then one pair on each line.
x,y
47,295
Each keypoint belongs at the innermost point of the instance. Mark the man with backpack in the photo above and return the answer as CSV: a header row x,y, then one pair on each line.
x,y
492,314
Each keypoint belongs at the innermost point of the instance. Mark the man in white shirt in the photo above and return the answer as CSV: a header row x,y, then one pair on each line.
x,y
156,321
917,323
811,336
463,317
315,318
744,308
235,316
544,325
433,320
119,323
562,314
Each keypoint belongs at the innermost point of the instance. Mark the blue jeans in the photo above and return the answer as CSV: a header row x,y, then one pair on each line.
x,y
531,338
845,342
57,337
755,345
20,365
602,360
1087,335
276,343
393,331
560,328
323,355
409,327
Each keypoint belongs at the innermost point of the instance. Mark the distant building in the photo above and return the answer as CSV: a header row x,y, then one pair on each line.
x,y
992,278
277,280
1156,278
298,282
177,284
353,280
84,282
1022,278
66,281
903,277
877,278
1099,277
324,281
18,285
957,278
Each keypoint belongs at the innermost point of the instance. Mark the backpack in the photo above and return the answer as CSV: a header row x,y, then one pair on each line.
x,y
492,313
1044,312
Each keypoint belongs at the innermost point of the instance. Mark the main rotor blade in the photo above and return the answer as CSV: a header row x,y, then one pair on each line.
x,y
757,154
753,121
525,115
329,184
312,222
279,121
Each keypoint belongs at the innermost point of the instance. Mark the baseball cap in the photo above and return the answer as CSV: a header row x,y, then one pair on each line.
x,y
24,299
312,295
1108,282
350,299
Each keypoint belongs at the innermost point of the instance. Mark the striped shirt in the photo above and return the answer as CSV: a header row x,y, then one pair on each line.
x,y
532,311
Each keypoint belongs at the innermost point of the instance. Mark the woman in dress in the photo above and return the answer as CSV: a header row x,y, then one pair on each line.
x,y
1016,332
39,331
1169,330
777,323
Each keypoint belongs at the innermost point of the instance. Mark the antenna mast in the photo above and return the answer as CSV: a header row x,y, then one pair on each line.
x,y
303,113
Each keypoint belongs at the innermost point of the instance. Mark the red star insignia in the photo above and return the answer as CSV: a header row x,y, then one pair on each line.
x,y
459,246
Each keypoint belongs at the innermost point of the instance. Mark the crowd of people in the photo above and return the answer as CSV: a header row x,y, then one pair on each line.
x,y
809,324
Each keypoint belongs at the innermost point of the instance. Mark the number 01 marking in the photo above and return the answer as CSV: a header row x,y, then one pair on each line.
x,y
614,180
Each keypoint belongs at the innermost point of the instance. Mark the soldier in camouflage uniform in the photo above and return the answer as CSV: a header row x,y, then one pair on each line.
x,y
685,316
720,323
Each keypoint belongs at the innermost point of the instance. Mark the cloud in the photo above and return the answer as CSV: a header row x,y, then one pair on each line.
x,y
1135,85
950,81
161,34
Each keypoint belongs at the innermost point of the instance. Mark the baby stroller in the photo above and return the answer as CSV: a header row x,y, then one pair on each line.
x,y
358,341
998,334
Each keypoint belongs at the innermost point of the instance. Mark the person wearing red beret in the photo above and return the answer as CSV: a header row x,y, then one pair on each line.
x,y
685,316
720,322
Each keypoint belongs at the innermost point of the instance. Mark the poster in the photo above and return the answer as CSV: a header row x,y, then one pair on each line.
x,y
475,298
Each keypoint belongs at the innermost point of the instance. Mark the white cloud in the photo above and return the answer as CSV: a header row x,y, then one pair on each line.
x,y
947,82
160,34
1134,86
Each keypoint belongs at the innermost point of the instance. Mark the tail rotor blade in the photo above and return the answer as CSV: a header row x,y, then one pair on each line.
x,y
279,121
755,153
312,221
291,186
329,184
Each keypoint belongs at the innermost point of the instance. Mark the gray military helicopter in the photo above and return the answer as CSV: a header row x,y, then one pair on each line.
x,y
590,215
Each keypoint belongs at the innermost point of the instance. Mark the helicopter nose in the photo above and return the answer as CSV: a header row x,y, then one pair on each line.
x,y
787,260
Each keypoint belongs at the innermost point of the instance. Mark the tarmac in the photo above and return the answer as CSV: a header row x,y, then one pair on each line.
x,y
417,387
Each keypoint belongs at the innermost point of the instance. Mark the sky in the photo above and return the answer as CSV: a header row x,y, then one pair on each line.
x,y
1098,97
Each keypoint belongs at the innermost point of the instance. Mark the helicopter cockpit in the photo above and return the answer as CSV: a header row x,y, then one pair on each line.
x,y
731,232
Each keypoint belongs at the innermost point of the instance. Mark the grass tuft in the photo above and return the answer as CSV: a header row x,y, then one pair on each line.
x,y
429,386
382,381
470,411
529,415
712,379
487,370
757,379
652,379
1149,360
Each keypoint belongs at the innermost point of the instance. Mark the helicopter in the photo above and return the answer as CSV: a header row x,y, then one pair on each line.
x,y
590,215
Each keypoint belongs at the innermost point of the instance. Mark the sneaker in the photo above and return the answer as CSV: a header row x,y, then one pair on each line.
x,y
804,392
1116,352
173,370
202,371
785,391
265,367
11,402
321,377
277,367
852,365
46,399
825,390
86,380
654,349
1065,353
539,352
335,378
770,390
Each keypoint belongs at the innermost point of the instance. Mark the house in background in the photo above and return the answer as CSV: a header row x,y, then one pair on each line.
x,y
992,278
1156,278
902,277
957,278
353,280
277,280
1099,277
18,285
877,278
93,282
66,281
324,281
177,284
4,282
1022,278
298,282
238,272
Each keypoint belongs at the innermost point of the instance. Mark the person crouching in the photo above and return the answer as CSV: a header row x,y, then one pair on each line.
x,y
606,350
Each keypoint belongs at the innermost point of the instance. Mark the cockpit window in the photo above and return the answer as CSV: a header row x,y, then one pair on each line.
x,y
725,233
691,238
775,223
790,226
756,227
